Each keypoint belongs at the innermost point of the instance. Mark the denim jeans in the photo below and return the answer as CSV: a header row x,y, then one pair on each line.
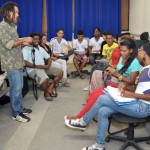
x,y
105,106
15,78
93,57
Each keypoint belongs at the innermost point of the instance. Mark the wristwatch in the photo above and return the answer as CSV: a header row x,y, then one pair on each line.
x,y
120,78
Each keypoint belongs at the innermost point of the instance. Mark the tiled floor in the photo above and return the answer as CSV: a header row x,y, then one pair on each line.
x,y
46,130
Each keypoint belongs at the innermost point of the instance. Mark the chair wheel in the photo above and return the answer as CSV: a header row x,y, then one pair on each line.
x,y
107,139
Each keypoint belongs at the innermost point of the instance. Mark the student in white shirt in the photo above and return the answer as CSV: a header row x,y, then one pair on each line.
x,y
80,46
58,45
60,55
95,46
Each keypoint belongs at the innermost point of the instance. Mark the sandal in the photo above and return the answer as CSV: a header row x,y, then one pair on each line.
x,y
66,83
82,76
53,95
48,98
75,74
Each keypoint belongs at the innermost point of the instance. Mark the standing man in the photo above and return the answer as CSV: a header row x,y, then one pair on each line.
x,y
12,59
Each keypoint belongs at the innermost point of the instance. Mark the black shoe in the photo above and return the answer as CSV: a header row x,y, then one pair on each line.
x,y
26,111
21,118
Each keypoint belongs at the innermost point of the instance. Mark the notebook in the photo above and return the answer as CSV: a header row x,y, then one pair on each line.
x,y
115,94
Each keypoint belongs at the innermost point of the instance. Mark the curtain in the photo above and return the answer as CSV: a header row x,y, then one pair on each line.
x,y
59,15
30,14
86,16
110,16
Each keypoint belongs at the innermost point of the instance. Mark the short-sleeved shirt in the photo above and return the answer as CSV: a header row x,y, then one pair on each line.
x,y
80,46
115,56
134,67
96,45
144,82
40,55
11,58
107,50
58,47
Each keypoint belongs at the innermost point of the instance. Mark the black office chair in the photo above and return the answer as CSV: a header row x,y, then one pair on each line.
x,y
34,85
130,140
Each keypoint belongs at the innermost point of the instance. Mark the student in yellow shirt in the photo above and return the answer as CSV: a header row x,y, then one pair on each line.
x,y
109,47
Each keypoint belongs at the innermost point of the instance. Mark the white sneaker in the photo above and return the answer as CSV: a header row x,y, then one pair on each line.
x,y
75,124
87,88
94,147
21,118
66,120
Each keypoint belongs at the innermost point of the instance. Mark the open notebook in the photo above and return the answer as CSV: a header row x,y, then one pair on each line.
x,y
115,94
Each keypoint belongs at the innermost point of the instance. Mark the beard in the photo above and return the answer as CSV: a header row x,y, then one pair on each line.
x,y
35,44
15,20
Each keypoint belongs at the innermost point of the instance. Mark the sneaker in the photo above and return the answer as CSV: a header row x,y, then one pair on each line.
x,y
68,118
21,118
87,88
26,111
75,124
94,147
66,83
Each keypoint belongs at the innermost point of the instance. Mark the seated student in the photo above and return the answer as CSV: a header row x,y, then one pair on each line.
x,y
103,43
35,64
60,65
127,70
107,52
43,43
106,106
80,46
98,75
95,46
58,45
